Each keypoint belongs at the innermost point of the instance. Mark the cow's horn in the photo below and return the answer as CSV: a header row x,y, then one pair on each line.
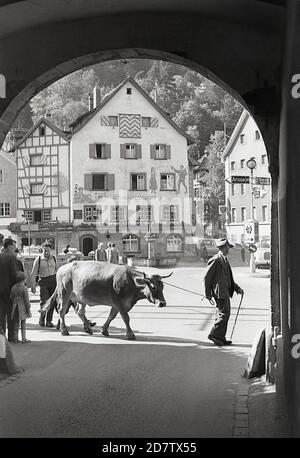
x,y
166,276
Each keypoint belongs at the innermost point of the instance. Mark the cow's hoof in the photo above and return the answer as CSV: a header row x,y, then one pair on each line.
x,y
105,332
130,337
88,330
65,332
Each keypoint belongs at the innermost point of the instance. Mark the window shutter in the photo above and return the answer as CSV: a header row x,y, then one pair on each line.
x,y
152,151
92,152
107,151
110,182
88,182
123,151
138,151
168,151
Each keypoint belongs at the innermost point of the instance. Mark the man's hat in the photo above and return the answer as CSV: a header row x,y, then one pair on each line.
x,y
223,242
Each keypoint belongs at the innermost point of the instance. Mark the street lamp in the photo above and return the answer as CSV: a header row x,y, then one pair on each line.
x,y
251,164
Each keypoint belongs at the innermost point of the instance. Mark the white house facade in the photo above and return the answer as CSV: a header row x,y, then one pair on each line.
x,y
8,184
246,143
130,176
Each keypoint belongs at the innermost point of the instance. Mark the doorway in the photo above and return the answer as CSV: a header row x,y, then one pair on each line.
x,y
87,245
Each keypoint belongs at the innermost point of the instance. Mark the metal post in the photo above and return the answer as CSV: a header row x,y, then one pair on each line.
x,y
29,241
252,257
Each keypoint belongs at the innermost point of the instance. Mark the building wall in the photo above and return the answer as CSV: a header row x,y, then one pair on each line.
x,y
8,180
252,147
96,132
53,174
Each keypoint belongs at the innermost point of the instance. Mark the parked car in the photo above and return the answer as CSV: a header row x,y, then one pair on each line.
x,y
206,248
263,254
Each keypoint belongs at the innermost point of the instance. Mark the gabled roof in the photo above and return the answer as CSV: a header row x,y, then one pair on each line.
x,y
46,121
236,132
7,157
83,119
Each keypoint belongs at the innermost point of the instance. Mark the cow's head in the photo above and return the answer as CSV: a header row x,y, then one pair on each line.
x,y
152,288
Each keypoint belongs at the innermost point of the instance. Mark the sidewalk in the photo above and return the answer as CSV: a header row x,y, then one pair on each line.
x,y
267,411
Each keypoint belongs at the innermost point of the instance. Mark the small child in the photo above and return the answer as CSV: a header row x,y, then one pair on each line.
x,y
21,304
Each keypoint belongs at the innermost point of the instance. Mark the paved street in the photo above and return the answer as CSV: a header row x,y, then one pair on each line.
x,y
170,382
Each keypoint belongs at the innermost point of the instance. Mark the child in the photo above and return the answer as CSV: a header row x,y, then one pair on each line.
x,y
21,304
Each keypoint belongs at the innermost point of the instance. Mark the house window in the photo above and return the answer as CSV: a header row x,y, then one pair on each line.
x,y
36,188
143,214
264,159
130,244
100,151
113,120
98,181
92,213
242,163
138,181
242,139
36,159
167,182
232,189
1,176
257,135
146,122
118,214
160,152
28,214
46,215
128,90
264,213
4,209
243,214
232,165
170,213
130,151
174,243
42,131
242,189
233,215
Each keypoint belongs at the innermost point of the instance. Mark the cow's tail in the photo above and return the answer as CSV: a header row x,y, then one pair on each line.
x,y
52,300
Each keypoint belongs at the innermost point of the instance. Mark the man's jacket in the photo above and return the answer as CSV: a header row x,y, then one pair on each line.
x,y
218,279
8,272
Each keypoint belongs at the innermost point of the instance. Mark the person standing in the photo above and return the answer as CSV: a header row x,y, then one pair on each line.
x,y
114,254
21,305
220,285
45,267
108,250
8,274
100,253
19,263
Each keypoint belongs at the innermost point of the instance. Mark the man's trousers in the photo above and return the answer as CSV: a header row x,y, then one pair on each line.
x,y
222,316
47,288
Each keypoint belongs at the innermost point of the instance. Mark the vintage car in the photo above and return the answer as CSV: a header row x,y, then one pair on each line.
x,y
263,254
206,248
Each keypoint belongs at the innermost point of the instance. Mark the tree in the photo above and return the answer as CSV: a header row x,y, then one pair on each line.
x,y
66,99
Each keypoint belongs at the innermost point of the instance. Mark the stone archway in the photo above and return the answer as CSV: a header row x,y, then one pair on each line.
x,y
87,243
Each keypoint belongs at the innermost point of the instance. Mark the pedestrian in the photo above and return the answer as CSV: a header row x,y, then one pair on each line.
x,y
243,253
220,285
114,254
8,274
44,271
100,253
108,249
21,305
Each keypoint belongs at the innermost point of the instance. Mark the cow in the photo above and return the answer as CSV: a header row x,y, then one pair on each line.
x,y
102,283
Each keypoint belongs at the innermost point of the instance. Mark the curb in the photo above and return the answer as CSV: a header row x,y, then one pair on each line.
x,y
241,414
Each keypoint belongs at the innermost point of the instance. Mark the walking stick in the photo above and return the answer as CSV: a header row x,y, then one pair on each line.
x,y
237,315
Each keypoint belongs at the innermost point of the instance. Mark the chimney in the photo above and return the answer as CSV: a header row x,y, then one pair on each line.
x,y
96,96
90,102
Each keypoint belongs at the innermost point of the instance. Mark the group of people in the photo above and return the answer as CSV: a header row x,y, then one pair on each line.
x,y
14,298
110,254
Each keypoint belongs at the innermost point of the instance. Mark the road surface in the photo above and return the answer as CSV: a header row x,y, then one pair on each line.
x,y
171,382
